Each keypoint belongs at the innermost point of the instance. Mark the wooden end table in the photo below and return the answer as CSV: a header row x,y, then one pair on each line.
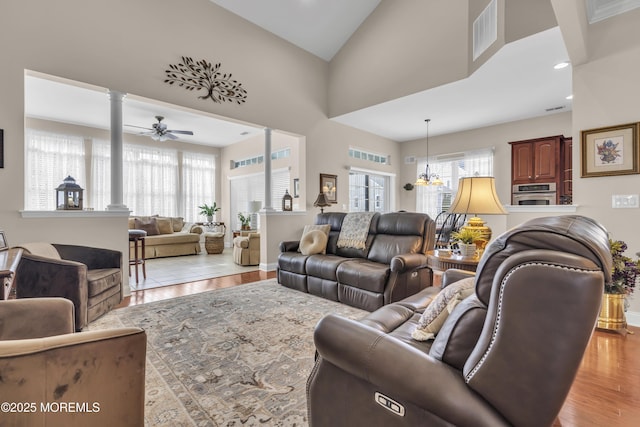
x,y
441,263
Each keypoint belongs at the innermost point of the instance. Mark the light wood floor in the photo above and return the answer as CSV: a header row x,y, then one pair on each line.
x,y
606,392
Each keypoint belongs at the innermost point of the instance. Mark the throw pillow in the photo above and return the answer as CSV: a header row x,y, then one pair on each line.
x,y
439,309
325,228
313,242
164,225
178,223
149,225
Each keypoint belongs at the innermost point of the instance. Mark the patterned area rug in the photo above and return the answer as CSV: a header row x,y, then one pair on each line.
x,y
230,357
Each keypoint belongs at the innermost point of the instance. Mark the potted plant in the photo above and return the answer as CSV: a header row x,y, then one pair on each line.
x,y
466,238
624,276
209,211
245,220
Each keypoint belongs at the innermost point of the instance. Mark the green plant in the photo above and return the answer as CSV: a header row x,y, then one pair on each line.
x,y
244,219
625,271
207,210
466,235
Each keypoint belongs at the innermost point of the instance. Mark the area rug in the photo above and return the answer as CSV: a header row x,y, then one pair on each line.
x,y
230,357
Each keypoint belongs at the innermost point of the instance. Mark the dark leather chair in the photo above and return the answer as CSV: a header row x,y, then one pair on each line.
x,y
506,355
90,277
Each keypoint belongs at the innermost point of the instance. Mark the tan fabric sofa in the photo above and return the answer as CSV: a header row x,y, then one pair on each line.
x,y
167,236
246,248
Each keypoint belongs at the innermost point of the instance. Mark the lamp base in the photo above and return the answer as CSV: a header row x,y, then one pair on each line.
x,y
476,223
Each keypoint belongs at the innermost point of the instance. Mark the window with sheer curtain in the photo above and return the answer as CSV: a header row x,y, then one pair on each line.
x,y
50,158
368,192
434,199
198,183
100,174
247,188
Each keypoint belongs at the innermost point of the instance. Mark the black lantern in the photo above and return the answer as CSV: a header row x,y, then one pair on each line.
x,y
287,201
69,195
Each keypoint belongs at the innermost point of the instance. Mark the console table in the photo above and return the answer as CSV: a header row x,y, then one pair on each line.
x,y
9,260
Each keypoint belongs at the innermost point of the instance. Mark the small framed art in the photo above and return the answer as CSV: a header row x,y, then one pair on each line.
x,y
329,186
610,151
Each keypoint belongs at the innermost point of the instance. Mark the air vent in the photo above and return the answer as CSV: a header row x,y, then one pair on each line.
x,y
485,29
560,107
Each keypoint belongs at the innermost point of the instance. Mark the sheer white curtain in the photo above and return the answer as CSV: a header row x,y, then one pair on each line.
x,y
450,168
150,180
100,174
198,183
50,158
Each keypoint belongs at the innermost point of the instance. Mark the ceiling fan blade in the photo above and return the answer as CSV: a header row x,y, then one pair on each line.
x,y
139,127
184,132
170,136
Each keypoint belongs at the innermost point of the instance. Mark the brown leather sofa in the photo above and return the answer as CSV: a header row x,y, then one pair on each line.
x,y
89,277
506,355
99,375
392,266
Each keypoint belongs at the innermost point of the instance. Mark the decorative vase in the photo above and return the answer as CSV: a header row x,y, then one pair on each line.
x,y
612,313
467,249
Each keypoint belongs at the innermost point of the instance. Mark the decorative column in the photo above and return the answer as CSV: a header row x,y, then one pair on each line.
x,y
116,152
267,170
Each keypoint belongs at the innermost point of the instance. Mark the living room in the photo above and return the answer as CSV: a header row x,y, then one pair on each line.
x,y
126,46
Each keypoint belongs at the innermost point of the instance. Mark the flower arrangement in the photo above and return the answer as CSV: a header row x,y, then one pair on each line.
x,y
625,272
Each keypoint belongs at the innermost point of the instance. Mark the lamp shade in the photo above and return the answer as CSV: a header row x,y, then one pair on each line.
x,y
321,202
477,195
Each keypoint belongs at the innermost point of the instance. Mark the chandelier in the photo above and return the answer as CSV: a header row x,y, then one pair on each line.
x,y
428,178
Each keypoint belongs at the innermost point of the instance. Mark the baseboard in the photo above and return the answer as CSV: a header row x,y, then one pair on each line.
x,y
268,267
633,318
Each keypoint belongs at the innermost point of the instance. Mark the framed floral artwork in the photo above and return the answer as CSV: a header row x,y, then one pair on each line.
x,y
329,186
613,150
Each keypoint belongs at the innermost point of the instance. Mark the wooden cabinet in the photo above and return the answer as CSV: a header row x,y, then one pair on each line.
x,y
536,160
543,160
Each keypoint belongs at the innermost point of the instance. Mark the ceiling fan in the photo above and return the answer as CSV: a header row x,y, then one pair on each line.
x,y
159,131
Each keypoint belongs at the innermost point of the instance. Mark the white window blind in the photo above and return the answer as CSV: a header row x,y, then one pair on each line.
x,y
434,199
247,188
150,180
50,158
198,183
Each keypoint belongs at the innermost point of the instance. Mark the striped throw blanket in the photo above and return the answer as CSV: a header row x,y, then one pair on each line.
x,y
355,229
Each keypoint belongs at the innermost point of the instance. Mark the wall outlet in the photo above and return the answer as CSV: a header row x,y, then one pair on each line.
x,y
622,201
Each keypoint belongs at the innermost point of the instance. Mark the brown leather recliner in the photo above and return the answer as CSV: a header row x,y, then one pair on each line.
x,y
506,355
55,377
89,277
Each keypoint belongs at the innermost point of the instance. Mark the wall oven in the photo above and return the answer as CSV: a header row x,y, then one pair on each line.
x,y
534,194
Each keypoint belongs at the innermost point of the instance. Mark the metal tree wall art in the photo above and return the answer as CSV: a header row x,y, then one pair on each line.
x,y
198,75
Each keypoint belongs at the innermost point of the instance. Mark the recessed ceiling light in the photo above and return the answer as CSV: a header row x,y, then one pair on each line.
x,y
569,96
561,65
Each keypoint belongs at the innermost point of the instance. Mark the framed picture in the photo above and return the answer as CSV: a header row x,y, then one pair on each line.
x,y
296,187
329,186
3,241
610,151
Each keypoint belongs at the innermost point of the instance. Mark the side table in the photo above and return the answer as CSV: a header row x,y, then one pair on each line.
x,y
441,263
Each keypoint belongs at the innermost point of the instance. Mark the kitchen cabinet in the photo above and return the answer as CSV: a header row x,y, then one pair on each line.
x,y
543,160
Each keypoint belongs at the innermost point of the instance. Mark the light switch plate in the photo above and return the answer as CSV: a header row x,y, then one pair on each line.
x,y
623,201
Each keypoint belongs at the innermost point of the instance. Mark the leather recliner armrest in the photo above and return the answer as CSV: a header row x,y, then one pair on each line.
x,y
290,246
401,371
408,262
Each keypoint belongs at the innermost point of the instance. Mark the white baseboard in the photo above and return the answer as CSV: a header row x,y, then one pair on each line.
x,y
633,318
268,267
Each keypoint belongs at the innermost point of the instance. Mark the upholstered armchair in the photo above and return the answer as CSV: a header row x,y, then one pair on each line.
x,y
44,365
506,355
90,277
246,248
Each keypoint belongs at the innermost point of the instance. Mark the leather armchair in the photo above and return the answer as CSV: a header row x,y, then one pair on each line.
x,y
506,355
90,277
246,248
43,363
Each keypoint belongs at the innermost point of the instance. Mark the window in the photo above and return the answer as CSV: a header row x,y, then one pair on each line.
x,y
365,155
198,183
247,188
433,199
368,192
49,159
